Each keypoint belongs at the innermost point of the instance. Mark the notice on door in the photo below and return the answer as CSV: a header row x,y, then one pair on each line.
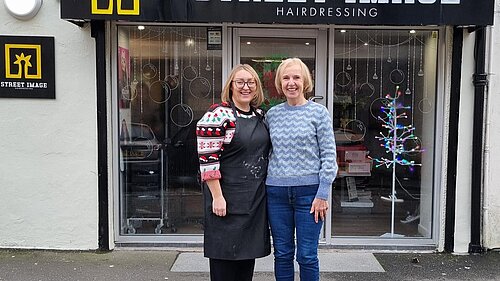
x,y
214,38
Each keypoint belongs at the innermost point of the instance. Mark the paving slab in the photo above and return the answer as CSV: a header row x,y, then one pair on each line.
x,y
329,262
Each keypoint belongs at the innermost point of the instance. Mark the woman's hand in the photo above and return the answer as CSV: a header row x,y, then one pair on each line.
x,y
219,206
319,208
218,200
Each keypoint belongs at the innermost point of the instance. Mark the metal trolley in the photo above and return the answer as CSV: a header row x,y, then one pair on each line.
x,y
144,197
142,181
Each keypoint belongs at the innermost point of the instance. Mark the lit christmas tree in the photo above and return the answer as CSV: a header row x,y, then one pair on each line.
x,y
394,141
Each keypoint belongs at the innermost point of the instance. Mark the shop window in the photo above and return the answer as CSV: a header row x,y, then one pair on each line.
x,y
166,80
384,121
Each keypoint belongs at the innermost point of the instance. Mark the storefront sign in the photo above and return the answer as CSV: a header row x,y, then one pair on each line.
x,y
27,67
356,12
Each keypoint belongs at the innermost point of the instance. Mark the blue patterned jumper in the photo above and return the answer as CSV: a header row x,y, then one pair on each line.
x,y
303,150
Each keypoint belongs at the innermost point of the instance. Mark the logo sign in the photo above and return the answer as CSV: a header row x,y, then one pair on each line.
x,y
358,12
27,67
110,10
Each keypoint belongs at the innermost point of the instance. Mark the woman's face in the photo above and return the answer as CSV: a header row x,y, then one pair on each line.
x,y
292,83
243,87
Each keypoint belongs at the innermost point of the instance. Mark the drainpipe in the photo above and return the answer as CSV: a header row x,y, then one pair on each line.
x,y
451,181
99,34
480,80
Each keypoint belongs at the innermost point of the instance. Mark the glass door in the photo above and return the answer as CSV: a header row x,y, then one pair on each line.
x,y
264,49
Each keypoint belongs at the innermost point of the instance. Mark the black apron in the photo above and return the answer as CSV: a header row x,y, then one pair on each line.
x,y
244,232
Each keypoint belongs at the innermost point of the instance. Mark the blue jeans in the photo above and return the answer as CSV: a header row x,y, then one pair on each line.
x,y
288,208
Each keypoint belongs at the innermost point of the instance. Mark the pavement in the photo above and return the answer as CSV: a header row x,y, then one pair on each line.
x,y
185,264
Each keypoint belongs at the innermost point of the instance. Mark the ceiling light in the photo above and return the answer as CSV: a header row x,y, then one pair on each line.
x,y
268,60
189,42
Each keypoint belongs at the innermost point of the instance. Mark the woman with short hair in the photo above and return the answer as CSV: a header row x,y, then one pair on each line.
x,y
302,168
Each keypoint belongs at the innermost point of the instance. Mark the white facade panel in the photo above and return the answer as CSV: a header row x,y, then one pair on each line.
x,y
491,217
48,168
464,153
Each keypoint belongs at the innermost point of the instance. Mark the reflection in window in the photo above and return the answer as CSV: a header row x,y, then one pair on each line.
x,y
166,80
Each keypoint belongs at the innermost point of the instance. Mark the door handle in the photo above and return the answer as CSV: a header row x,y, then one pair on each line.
x,y
314,98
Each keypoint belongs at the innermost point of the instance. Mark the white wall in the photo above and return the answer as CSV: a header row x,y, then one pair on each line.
x,y
48,164
464,153
491,218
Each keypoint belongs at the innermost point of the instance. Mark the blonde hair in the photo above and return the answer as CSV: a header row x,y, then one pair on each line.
x,y
227,92
306,75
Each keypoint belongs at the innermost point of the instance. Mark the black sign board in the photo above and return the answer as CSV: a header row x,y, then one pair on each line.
x,y
352,12
27,67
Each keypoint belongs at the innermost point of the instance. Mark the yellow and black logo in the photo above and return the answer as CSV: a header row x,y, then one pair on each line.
x,y
27,67
99,8
23,61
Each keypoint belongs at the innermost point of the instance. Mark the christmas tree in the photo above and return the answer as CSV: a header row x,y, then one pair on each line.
x,y
394,141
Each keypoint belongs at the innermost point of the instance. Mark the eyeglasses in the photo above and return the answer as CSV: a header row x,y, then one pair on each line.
x,y
241,83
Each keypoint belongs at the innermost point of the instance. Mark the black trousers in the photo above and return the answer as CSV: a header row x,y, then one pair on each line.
x,y
229,270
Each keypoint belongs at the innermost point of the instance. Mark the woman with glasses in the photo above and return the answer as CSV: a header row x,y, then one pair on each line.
x,y
233,148
302,167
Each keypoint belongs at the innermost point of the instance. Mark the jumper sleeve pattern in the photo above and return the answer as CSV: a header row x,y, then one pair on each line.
x,y
327,154
214,130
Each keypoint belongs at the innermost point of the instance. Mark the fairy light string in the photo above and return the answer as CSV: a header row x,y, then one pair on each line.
x,y
413,80
349,67
381,65
375,76
408,63
356,73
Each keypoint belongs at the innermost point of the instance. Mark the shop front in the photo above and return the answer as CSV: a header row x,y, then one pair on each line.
x,y
382,70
